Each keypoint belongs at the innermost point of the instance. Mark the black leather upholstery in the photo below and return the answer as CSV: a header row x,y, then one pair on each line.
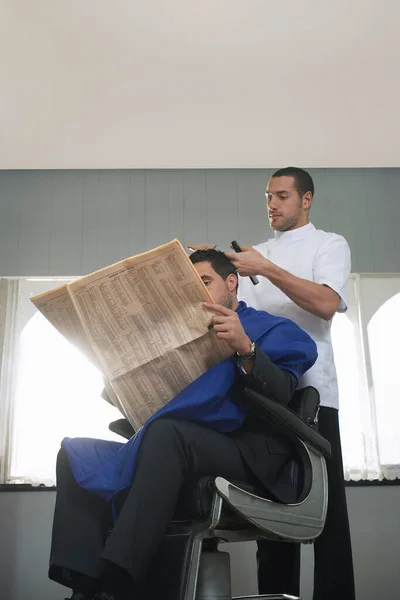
x,y
305,403
195,499
122,427
286,420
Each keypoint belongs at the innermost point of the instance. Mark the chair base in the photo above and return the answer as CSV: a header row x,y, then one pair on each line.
x,y
214,580
214,576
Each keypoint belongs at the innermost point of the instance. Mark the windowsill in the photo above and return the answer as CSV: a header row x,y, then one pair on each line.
x,y
26,487
375,482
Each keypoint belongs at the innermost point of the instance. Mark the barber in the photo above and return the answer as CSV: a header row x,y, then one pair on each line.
x,y
303,273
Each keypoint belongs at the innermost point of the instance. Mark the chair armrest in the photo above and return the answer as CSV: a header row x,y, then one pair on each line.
x,y
286,421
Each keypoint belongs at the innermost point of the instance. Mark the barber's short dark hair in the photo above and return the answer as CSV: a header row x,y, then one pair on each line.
x,y
218,260
302,179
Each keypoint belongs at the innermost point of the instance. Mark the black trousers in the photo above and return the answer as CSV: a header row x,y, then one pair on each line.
x,y
170,451
279,562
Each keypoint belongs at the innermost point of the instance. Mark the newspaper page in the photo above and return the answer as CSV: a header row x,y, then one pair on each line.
x,y
56,305
144,320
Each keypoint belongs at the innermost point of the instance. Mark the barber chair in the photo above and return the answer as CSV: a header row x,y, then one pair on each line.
x,y
212,510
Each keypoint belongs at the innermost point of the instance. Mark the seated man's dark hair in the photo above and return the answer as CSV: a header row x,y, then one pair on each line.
x,y
302,179
218,260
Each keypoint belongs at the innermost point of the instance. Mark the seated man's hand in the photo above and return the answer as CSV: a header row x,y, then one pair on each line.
x,y
227,326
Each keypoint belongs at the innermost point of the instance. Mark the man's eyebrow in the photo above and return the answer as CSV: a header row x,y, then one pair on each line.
x,y
267,193
206,277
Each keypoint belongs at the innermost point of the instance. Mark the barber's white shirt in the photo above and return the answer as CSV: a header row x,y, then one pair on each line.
x,y
318,256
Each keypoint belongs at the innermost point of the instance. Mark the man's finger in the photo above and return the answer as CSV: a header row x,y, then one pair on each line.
x,y
232,256
218,319
221,327
218,308
204,246
223,335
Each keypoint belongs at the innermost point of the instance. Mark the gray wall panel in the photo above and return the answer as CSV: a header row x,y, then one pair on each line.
x,y
137,212
92,220
323,204
10,221
381,206
106,218
157,218
195,209
176,207
36,198
222,207
66,231
73,222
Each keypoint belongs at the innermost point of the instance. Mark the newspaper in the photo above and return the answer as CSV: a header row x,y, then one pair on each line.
x,y
142,322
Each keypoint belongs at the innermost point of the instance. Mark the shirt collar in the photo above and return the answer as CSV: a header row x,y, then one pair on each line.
x,y
295,234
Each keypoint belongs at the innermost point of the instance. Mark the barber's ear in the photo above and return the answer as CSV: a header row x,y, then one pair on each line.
x,y
307,200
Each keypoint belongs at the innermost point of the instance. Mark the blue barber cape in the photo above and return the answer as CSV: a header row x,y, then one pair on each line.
x,y
106,467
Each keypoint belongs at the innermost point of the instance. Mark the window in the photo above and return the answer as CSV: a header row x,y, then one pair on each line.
x,y
364,341
49,391
382,309
55,394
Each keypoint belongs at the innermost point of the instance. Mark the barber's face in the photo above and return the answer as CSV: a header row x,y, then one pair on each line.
x,y
222,291
286,208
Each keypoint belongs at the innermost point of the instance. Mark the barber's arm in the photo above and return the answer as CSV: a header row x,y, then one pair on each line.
x,y
316,298
321,297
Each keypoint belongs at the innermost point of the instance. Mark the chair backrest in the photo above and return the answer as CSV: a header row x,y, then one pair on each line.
x,y
122,427
305,403
295,479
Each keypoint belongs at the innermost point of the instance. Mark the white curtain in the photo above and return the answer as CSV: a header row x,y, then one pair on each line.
x,y
9,334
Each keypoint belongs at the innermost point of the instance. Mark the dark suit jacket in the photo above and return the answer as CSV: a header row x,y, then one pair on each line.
x,y
265,450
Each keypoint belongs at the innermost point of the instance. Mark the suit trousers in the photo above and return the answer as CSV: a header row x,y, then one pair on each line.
x,y
171,450
279,562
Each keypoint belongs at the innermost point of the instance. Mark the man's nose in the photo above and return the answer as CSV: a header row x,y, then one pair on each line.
x,y
271,203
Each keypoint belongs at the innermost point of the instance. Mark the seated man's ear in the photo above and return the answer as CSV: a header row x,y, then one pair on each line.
x,y
232,282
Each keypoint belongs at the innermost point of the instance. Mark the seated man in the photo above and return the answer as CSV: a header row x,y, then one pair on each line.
x,y
205,430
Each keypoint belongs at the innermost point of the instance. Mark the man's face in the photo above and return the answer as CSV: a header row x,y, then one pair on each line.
x,y
286,209
222,291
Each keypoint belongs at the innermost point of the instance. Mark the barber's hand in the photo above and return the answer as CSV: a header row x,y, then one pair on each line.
x,y
228,327
249,261
204,246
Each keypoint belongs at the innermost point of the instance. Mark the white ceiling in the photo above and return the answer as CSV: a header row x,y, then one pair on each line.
x,y
212,83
